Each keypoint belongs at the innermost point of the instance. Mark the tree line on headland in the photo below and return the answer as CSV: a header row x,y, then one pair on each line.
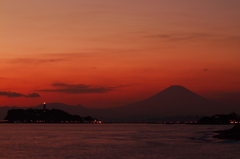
x,y
45,116
231,118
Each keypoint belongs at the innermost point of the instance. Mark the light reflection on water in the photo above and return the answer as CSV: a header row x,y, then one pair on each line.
x,y
114,141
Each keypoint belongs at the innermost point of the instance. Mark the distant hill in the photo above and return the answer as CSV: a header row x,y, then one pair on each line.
x,y
173,103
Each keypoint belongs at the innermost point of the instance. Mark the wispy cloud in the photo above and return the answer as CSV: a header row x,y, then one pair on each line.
x,y
35,60
179,37
79,88
69,54
15,94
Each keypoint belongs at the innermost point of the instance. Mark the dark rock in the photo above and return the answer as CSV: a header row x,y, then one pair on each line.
x,y
230,134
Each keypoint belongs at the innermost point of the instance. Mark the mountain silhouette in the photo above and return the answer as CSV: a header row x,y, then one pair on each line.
x,y
174,101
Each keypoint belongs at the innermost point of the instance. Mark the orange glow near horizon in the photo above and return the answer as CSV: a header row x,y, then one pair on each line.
x,y
111,53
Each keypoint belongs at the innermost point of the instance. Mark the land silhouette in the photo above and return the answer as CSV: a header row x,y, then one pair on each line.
x,y
44,116
220,119
175,103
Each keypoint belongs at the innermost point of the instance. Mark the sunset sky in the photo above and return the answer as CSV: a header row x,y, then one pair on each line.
x,y
110,53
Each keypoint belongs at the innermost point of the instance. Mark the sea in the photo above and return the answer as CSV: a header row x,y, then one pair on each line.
x,y
114,141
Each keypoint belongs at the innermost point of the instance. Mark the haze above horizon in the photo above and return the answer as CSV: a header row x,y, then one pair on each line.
x,y
110,53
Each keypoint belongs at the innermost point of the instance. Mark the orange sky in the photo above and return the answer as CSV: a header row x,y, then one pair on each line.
x,y
109,53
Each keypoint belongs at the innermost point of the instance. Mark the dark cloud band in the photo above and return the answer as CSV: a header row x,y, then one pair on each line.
x,y
78,88
15,94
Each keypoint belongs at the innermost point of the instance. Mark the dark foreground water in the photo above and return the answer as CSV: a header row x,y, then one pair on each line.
x,y
102,141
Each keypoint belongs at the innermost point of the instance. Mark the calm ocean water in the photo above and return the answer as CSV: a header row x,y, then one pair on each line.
x,y
102,141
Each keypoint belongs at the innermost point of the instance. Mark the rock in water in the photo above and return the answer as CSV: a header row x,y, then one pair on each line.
x,y
231,134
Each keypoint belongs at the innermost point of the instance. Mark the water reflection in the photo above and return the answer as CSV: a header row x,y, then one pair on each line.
x,y
113,141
